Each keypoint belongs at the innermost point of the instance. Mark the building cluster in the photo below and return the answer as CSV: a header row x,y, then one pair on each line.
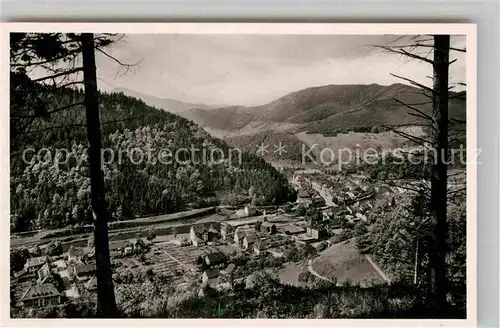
x,y
257,235
51,280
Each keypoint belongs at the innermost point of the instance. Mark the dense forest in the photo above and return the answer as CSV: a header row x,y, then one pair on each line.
x,y
399,237
142,176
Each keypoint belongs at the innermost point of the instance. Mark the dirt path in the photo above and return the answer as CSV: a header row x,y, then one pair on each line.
x,y
314,273
377,268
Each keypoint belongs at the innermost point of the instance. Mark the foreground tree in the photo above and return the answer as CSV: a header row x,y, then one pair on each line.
x,y
57,55
438,123
106,294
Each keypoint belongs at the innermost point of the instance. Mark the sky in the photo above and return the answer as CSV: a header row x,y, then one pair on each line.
x,y
256,69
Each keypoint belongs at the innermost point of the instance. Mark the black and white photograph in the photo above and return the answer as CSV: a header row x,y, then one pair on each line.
x,y
240,175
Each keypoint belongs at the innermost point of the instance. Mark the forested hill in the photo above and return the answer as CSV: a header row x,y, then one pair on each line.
x,y
52,191
331,109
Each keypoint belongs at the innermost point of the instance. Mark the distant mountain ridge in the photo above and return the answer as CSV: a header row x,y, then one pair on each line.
x,y
318,115
330,107
168,104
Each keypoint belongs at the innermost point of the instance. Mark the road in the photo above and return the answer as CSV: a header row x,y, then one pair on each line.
x,y
34,240
323,193
314,273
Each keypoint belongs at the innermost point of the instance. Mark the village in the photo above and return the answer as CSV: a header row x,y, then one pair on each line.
x,y
217,252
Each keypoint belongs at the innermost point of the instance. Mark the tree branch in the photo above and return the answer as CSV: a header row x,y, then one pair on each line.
x,y
424,115
116,60
413,82
416,45
78,69
417,140
404,53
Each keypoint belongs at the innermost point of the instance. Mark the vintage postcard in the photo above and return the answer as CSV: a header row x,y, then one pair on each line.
x,y
239,171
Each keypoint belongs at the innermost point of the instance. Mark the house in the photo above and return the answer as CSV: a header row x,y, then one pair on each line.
x,y
292,229
273,242
212,233
210,236
197,242
24,275
34,264
225,230
250,210
215,227
249,240
268,227
318,201
40,296
83,271
60,265
129,250
316,230
216,259
209,274
197,235
247,211
45,275
75,254
279,219
303,197
240,233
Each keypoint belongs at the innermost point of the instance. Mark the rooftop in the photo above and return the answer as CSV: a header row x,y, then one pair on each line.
x,y
215,226
44,273
40,291
36,261
85,268
303,194
278,218
240,222
291,229
198,229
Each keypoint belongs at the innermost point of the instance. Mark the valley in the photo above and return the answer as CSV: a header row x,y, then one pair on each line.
x,y
224,226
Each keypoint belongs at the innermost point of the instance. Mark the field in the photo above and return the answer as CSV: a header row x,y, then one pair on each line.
x,y
352,141
289,273
166,259
342,262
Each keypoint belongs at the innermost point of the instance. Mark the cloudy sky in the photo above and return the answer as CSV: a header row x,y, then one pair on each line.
x,y
256,69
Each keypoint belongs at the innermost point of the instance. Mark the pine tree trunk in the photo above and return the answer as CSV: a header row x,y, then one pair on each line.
x,y
415,275
106,303
439,169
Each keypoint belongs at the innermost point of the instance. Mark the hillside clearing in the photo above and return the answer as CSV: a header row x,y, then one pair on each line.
x,y
342,262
